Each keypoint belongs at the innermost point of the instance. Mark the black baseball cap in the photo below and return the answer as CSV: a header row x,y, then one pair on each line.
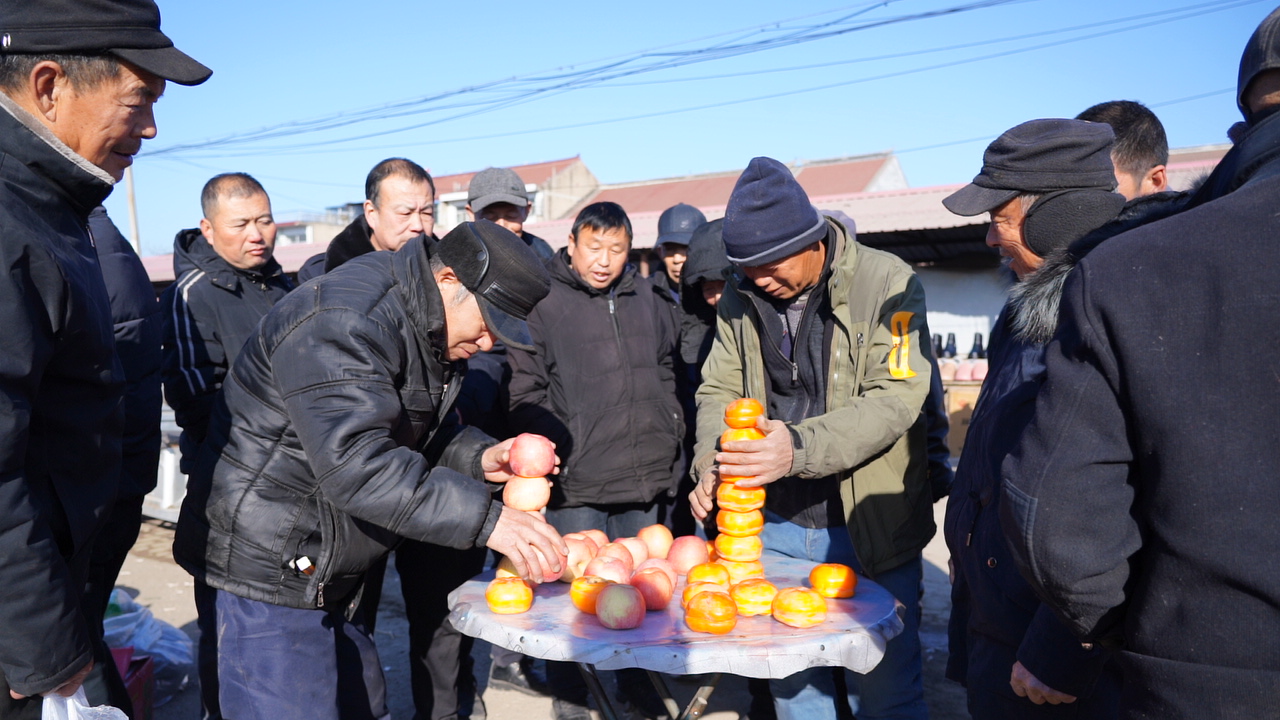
x,y
505,274
127,29
1039,156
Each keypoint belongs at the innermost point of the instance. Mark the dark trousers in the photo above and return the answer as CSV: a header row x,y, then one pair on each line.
x,y
207,650
440,664
110,548
279,663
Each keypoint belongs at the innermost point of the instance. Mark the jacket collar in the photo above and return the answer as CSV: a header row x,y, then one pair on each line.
x,y
411,269
352,242
79,182
191,251
1257,153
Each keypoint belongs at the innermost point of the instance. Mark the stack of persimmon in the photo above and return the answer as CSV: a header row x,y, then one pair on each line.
x,y
740,520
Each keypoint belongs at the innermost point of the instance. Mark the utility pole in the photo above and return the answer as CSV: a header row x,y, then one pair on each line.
x,y
133,212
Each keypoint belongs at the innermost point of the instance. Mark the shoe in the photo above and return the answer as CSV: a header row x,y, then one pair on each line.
x,y
566,710
517,676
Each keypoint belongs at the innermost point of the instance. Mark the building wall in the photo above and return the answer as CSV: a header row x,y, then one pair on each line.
x,y
963,301
562,191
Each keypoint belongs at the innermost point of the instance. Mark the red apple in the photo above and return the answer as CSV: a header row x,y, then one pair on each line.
x,y
657,538
598,536
620,551
655,586
620,607
610,568
639,551
687,551
662,564
585,538
526,493
532,456
580,553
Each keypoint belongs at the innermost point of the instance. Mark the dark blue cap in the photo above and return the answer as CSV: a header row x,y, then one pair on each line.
x,y
769,216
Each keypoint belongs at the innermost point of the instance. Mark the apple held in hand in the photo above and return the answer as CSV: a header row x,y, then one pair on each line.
x,y
581,551
526,493
620,607
532,456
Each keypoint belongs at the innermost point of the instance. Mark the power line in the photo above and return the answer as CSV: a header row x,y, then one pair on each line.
x,y
1173,15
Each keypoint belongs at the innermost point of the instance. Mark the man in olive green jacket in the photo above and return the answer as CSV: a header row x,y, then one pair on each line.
x,y
831,336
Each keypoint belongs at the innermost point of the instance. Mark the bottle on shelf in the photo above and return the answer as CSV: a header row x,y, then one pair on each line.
x,y
977,351
950,350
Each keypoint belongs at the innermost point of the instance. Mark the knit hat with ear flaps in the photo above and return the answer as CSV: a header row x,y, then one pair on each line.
x,y
769,216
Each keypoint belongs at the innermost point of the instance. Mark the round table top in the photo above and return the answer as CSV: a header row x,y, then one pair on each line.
x,y
853,636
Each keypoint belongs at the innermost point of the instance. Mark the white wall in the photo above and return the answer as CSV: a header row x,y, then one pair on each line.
x,y
963,302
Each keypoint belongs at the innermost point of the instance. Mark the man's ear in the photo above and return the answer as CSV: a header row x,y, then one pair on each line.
x,y
1157,180
46,87
471,215
369,212
206,229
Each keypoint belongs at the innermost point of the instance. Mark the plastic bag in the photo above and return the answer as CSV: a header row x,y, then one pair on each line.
x,y
170,648
77,707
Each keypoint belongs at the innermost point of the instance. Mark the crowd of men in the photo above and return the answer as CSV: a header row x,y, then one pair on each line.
x,y
1112,551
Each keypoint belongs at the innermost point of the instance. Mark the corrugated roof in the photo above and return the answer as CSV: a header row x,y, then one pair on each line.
x,y
535,174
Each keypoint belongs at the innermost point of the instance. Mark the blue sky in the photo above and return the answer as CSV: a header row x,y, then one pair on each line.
x,y
919,86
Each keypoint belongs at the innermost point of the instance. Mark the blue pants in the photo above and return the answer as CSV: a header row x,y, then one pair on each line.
x,y
280,663
895,687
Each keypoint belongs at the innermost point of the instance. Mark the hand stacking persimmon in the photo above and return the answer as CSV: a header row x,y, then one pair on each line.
x,y
754,596
738,499
740,524
799,607
711,612
739,571
742,413
508,596
584,591
708,572
739,549
693,589
736,434
833,580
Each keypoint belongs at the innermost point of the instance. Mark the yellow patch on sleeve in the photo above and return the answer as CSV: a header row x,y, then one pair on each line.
x,y
900,355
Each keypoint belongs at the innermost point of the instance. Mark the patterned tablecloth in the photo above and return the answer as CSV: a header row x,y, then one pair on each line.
x,y
853,636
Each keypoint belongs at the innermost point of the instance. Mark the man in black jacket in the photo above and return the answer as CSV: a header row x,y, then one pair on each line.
x,y
333,439
1148,522
602,387
77,85
226,281
399,205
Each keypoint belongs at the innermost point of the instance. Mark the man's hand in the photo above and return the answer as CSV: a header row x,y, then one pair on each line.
x,y
496,462
1026,685
66,689
703,498
759,461
533,546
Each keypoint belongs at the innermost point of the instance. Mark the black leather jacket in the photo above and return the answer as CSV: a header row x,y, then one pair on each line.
x,y
333,439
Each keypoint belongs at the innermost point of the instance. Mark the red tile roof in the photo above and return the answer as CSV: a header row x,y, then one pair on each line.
x,y
535,174
839,178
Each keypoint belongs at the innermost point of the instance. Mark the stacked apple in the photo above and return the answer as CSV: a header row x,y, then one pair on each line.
x,y
532,458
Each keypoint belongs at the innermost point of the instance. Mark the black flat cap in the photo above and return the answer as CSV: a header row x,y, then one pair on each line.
x,y
505,274
1262,53
1039,156
127,29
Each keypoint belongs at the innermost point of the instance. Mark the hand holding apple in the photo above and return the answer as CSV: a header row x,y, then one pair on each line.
x,y
496,462
532,545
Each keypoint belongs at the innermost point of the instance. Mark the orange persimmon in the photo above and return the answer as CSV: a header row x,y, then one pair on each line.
x,y
711,612
694,588
584,591
742,413
754,596
799,607
508,595
736,434
708,572
833,580
739,549
739,571
740,524
739,499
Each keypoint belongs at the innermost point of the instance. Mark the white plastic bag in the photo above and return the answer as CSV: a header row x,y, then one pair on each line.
x,y
170,648
77,707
